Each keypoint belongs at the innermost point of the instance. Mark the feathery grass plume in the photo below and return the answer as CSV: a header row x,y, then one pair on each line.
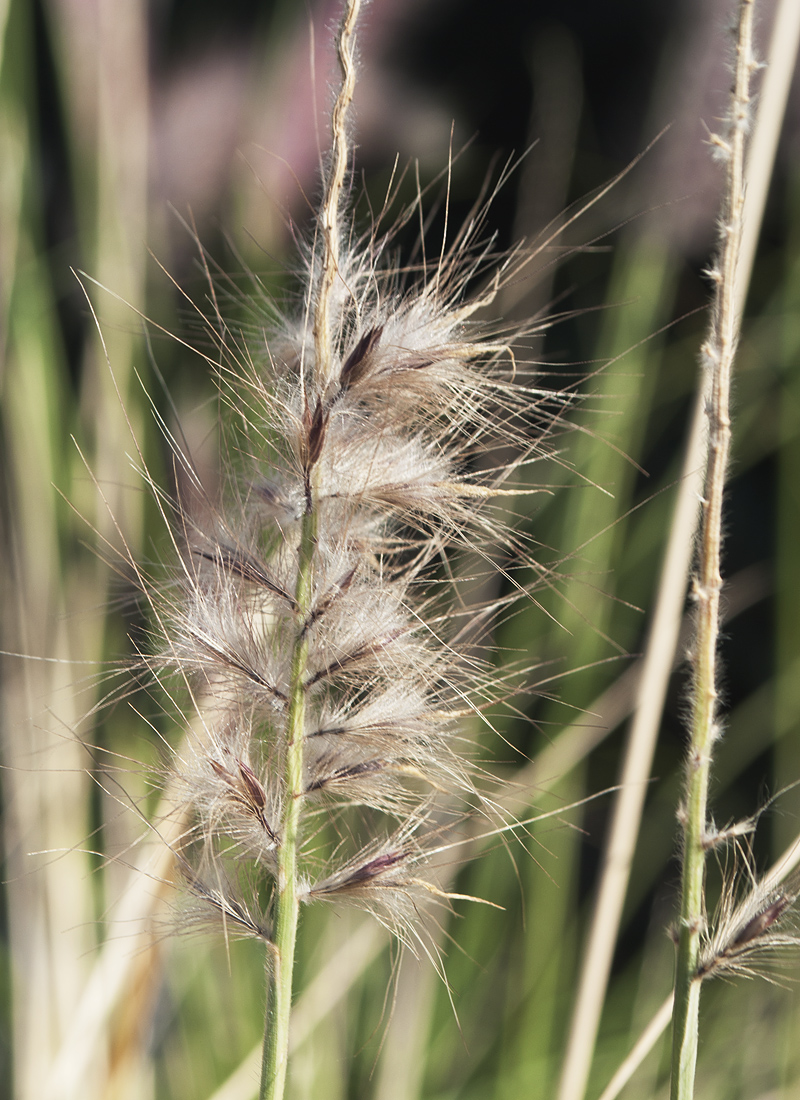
x,y
328,667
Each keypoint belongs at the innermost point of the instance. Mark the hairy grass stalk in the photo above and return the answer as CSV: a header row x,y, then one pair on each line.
x,y
717,358
663,633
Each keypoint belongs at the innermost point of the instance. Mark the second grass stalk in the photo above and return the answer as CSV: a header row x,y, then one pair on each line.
x,y
717,360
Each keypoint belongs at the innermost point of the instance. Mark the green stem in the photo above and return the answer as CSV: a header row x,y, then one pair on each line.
x,y
685,1032
280,962
695,839
718,354
687,984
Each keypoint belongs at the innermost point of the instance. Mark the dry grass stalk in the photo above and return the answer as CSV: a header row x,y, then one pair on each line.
x,y
717,359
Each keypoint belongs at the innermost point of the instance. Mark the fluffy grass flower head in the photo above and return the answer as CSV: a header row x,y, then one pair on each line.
x,y
327,660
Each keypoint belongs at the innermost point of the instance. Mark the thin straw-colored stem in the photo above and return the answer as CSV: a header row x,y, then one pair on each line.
x,y
644,1044
329,215
718,353
651,691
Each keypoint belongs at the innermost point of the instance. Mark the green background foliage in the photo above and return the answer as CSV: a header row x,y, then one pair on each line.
x,y
122,123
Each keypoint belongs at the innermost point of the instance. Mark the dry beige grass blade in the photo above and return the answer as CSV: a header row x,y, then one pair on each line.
x,y
656,669
49,896
102,60
129,933
773,95
102,54
647,1040
403,1061
5,7
49,900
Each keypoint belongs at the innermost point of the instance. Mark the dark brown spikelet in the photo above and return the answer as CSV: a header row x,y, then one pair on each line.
x,y
753,928
357,362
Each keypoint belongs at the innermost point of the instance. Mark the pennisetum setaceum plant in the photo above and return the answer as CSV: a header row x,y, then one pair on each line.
x,y
328,663
320,621
309,621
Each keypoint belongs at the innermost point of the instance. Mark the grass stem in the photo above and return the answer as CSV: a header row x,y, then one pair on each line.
x,y
717,355
280,961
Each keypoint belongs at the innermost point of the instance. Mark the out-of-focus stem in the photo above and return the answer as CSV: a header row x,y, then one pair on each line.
x,y
718,353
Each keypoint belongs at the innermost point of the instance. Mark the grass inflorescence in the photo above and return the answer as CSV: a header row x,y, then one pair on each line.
x,y
327,654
